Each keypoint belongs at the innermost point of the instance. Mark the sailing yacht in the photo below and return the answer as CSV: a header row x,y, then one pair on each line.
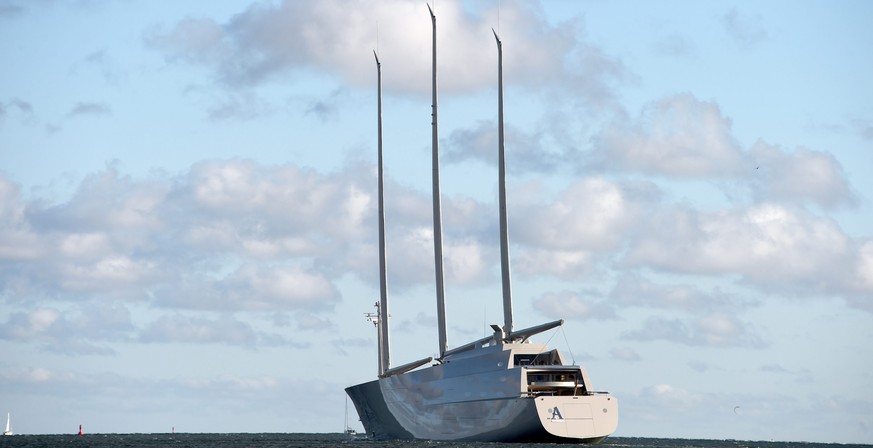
x,y
501,388
350,433
8,431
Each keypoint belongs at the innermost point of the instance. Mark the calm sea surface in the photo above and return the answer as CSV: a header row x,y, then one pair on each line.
x,y
331,440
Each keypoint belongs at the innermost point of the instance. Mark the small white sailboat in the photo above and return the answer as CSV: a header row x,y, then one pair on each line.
x,y
8,431
349,432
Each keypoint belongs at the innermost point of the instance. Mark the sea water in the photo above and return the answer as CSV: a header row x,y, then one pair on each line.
x,y
179,440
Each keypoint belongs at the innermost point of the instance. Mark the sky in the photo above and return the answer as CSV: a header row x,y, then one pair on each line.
x,y
188,229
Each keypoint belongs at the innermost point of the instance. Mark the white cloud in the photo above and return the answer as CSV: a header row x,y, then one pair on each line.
x,y
525,152
249,287
337,37
266,40
802,376
37,322
186,329
676,136
270,286
18,242
30,375
85,245
194,39
469,241
591,214
142,239
865,266
747,30
772,246
564,264
466,262
676,46
234,191
633,289
21,108
230,235
89,108
683,137
799,176
106,274
410,259
105,199
214,238
72,331
723,329
91,329
570,305
711,330
567,236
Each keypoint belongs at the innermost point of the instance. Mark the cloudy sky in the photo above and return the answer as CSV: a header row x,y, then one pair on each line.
x,y
188,228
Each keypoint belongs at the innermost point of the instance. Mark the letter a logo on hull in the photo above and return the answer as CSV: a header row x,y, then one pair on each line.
x,y
556,413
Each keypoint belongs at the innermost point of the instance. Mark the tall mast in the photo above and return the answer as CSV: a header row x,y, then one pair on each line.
x,y
504,225
384,353
437,216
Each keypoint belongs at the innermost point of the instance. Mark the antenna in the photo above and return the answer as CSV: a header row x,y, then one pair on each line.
x,y
376,318
437,216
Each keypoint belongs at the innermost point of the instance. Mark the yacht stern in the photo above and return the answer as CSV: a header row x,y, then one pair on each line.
x,y
588,417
